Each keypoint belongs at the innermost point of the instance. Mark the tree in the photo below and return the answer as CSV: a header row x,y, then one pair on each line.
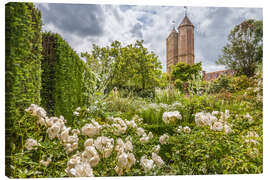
x,y
131,67
102,62
244,50
182,73
164,81
147,68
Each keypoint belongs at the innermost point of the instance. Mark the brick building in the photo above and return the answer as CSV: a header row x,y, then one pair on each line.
x,y
180,48
214,75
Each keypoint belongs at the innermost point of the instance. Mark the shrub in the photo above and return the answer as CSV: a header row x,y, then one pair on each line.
x,y
22,65
66,81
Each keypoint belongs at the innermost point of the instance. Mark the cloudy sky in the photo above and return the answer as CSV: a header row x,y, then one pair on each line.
x,y
82,25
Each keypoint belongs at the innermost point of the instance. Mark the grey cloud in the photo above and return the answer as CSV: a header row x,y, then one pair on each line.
x,y
137,30
81,19
211,41
152,23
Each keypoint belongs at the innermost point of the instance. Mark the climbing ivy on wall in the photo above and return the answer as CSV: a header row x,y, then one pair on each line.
x,y
65,79
22,66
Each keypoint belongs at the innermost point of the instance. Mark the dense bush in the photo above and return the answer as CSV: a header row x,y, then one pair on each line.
x,y
232,84
22,65
66,80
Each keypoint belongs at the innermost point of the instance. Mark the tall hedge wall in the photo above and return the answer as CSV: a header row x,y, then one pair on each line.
x,y
66,81
23,63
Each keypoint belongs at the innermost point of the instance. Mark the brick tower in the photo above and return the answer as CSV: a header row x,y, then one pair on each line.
x,y
186,42
172,49
180,45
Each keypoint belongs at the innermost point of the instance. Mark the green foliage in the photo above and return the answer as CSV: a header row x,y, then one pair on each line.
x,y
167,96
130,67
182,72
67,82
22,65
232,84
164,81
244,49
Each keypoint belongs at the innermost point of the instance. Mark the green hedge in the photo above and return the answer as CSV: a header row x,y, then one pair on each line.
x,y
23,64
66,80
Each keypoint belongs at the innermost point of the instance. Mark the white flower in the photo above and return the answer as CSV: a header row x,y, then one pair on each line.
x,y
251,141
30,143
140,132
104,145
78,109
150,135
90,155
163,139
177,105
54,120
38,112
64,134
217,126
75,131
72,139
251,138
75,113
122,160
144,139
118,170
157,159
227,114
82,169
179,129
156,148
128,146
252,134
227,129
171,117
75,159
90,130
88,142
186,129
45,163
147,164
215,113
54,131
247,116
74,145
68,148
119,126
131,160
131,124
120,145
204,119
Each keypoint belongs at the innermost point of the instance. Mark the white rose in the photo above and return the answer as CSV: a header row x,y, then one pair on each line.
x,y
30,143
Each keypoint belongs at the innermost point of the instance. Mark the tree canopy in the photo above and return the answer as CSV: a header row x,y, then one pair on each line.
x,y
182,72
131,66
244,50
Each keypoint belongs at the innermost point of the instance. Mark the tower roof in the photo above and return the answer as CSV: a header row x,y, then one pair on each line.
x,y
173,30
172,33
185,22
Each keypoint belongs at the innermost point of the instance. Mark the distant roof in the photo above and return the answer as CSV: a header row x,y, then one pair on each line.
x,y
185,22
